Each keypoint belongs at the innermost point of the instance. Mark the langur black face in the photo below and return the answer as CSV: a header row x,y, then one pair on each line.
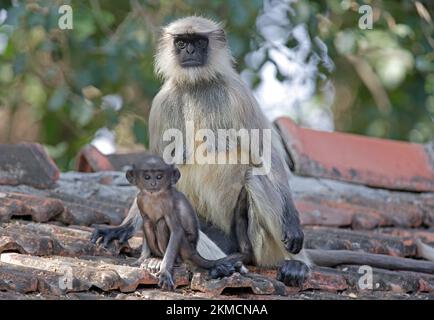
x,y
153,175
191,50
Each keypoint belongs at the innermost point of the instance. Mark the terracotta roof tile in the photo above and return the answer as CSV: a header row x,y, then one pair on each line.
x,y
90,159
389,223
27,163
358,159
334,203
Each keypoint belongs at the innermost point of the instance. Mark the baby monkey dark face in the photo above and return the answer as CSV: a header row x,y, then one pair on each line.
x,y
191,49
153,175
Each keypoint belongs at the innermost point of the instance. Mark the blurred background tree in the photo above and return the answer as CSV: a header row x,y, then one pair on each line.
x,y
66,88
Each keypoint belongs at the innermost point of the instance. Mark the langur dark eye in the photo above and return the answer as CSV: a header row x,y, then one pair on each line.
x,y
201,43
147,177
180,44
159,177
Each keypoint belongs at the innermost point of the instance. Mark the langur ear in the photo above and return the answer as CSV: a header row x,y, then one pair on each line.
x,y
219,35
130,176
175,175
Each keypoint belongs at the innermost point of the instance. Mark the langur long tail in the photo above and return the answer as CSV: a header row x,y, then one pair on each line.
x,y
331,258
222,267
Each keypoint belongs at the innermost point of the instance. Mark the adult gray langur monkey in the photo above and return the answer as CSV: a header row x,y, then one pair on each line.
x,y
254,212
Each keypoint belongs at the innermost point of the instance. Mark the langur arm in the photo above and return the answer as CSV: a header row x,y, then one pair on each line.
x,y
165,275
131,224
293,236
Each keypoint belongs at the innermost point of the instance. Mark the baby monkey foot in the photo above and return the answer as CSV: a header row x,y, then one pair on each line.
x,y
150,264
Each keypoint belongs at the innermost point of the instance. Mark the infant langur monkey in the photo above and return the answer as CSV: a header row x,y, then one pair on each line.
x,y
170,224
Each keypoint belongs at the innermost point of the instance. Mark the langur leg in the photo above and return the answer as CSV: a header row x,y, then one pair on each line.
x,y
162,234
293,273
131,224
241,227
149,246
151,238
159,243
144,256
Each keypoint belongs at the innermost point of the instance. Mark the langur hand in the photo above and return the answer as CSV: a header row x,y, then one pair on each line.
x,y
105,235
166,280
293,238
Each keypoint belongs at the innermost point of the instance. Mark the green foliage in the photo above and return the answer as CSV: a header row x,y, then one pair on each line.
x,y
384,77
63,75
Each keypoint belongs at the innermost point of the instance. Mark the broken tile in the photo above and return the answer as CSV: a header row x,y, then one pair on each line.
x,y
23,279
40,209
320,278
387,280
366,241
256,283
90,159
46,239
85,274
27,163
333,203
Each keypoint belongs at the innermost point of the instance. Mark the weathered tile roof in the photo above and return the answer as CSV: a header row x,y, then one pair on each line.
x,y
358,159
353,193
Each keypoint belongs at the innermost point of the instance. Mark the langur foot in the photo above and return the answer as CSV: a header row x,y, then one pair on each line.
x,y
151,265
105,234
138,263
293,273
166,280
